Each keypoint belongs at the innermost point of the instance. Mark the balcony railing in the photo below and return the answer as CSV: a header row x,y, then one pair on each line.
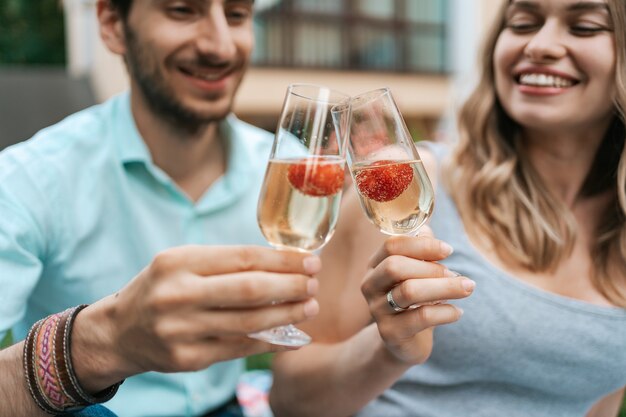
x,y
381,35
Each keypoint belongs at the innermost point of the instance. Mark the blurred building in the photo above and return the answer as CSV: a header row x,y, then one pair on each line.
x,y
424,50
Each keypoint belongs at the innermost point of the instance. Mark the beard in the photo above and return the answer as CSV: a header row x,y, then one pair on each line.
x,y
158,95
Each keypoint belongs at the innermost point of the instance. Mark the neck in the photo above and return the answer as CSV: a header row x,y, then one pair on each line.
x,y
194,159
564,159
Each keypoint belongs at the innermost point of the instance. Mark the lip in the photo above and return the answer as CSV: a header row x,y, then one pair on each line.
x,y
216,84
544,70
542,91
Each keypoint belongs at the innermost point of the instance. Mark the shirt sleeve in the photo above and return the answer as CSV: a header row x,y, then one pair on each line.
x,y
22,248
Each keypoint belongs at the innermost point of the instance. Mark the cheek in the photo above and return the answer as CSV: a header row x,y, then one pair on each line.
x,y
245,45
503,60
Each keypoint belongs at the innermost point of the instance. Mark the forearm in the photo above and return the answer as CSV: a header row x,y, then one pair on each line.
x,y
333,380
95,359
608,406
15,400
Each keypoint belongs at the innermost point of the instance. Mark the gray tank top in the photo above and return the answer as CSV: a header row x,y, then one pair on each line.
x,y
518,351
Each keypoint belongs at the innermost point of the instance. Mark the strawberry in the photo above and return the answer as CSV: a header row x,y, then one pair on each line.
x,y
383,180
316,178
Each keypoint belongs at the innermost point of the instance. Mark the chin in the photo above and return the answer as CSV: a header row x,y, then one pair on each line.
x,y
211,110
544,123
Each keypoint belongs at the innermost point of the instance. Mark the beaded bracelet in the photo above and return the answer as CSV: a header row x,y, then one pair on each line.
x,y
48,368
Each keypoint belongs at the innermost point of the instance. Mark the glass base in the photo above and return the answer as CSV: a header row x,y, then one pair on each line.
x,y
284,335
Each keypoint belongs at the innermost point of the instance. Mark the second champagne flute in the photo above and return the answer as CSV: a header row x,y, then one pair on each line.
x,y
393,187
299,200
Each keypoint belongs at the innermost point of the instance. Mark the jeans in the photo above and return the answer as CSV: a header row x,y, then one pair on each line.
x,y
93,411
231,409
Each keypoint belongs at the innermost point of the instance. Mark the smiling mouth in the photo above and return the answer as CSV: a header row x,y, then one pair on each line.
x,y
544,80
206,75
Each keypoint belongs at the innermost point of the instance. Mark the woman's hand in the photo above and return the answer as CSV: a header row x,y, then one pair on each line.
x,y
407,266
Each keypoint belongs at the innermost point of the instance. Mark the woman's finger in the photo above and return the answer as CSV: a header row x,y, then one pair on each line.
x,y
423,247
403,327
425,291
396,269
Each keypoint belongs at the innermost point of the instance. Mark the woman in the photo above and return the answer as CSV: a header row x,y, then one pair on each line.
x,y
533,200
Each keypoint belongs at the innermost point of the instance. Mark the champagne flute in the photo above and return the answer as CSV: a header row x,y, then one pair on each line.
x,y
299,201
393,187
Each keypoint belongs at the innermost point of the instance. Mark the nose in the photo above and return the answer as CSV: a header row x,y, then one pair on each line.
x,y
546,44
215,39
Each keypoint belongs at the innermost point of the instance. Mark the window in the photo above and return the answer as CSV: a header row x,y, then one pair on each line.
x,y
391,35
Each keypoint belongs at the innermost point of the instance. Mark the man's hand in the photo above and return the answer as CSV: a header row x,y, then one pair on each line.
x,y
191,307
407,267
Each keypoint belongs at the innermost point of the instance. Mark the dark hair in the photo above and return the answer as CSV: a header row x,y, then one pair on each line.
x,y
123,6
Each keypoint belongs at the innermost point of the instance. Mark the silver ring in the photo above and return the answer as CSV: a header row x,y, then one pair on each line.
x,y
392,303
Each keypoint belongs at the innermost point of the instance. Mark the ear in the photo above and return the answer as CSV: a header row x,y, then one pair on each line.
x,y
111,27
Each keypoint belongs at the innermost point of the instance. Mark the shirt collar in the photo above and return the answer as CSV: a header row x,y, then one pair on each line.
x,y
130,146
241,161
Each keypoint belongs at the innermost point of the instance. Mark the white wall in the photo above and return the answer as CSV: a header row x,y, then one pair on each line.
x,y
80,34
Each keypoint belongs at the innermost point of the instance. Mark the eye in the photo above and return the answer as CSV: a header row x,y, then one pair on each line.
x,y
588,27
590,23
586,30
180,10
238,14
523,27
523,23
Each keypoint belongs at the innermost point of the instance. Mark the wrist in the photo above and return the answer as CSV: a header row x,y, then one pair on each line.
x,y
95,355
382,355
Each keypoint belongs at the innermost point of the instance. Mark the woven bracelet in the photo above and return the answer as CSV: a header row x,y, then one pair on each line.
x,y
30,370
48,367
69,377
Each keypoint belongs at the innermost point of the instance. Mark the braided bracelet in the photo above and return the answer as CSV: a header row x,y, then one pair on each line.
x,y
48,367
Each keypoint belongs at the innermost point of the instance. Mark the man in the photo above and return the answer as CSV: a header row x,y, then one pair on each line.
x,y
89,202
98,209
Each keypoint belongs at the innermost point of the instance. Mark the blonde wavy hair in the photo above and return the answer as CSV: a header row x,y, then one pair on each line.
x,y
502,197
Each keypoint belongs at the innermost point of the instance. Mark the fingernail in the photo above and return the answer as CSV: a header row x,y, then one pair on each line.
x,y
446,248
311,308
460,310
312,265
468,284
312,286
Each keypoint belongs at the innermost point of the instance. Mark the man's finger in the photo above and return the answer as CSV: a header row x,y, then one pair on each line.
x,y
214,260
219,323
252,289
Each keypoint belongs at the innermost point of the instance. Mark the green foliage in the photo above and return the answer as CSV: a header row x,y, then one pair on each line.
x,y
262,361
7,341
32,32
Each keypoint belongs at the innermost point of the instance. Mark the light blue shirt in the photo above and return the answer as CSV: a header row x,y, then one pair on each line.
x,y
84,209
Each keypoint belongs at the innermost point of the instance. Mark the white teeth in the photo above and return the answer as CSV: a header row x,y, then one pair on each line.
x,y
207,76
544,80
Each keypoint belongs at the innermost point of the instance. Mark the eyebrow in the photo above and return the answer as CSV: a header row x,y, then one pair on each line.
x,y
589,5
578,6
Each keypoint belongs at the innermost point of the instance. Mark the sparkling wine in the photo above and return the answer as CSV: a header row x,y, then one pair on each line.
x,y
299,201
396,195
